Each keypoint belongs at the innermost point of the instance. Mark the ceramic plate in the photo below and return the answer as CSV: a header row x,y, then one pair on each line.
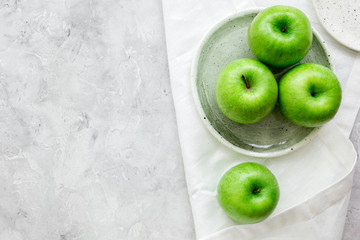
x,y
341,19
275,135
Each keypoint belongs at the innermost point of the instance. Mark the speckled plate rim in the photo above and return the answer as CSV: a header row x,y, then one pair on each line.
x,y
330,33
211,129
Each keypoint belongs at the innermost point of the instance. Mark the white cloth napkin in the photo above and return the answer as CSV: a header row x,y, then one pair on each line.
x,y
315,181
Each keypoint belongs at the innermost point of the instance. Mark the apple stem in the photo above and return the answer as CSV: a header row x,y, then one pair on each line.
x,y
284,29
257,190
246,81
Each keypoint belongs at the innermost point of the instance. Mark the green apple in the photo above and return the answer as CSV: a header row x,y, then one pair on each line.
x,y
309,94
248,192
280,36
246,91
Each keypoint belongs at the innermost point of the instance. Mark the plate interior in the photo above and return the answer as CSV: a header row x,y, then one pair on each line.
x,y
227,42
341,19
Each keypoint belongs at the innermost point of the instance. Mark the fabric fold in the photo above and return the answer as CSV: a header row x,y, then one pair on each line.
x,y
315,181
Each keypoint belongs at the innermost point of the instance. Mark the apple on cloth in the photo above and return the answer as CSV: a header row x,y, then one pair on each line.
x,y
248,192
315,180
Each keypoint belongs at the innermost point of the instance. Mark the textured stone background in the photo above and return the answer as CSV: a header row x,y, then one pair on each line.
x,y
88,137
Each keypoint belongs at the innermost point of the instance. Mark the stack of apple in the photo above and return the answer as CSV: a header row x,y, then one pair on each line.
x,y
308,94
